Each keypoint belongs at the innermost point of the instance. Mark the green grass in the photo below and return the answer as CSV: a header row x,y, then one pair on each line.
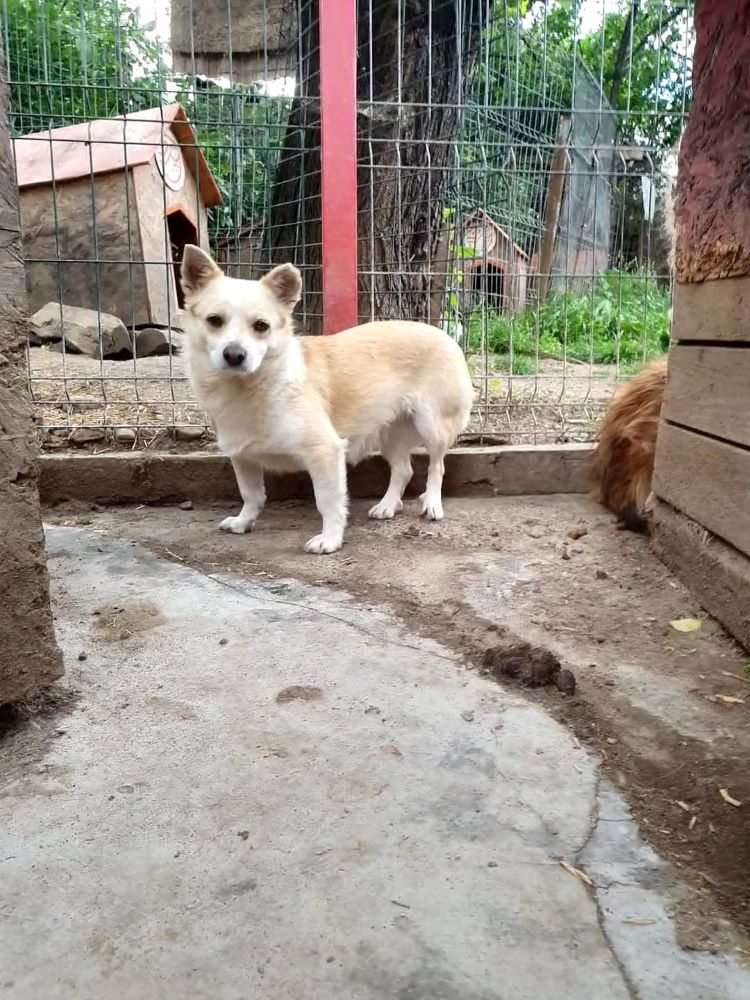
x,y
622,317
517,364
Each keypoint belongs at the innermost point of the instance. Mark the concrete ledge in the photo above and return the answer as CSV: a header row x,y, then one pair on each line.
x,y
716,573
139,477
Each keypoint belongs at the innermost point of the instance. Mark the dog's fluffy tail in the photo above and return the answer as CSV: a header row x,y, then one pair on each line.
x,y
624,458
626,444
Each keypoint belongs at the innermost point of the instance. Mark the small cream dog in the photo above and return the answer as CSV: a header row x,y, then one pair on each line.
x,y
283,403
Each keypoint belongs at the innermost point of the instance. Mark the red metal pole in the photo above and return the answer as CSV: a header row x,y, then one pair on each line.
x,y
338,162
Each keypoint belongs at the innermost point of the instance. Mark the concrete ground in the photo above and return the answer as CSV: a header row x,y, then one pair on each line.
x,y
268,788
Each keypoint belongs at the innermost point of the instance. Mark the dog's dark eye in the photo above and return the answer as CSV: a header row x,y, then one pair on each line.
x,y
215,321
260,326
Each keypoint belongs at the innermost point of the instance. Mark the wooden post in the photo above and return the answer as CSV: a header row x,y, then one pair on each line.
x,y
29,657
552,207
702,471
338,162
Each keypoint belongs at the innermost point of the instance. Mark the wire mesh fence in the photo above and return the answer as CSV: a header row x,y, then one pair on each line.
x,y
513,164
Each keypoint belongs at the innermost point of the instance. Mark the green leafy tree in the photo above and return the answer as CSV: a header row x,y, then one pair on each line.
x,y
71,61
240,134
639,55
541,63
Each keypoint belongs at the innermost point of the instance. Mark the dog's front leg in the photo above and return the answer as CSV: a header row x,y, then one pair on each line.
x,y
327,468
253,493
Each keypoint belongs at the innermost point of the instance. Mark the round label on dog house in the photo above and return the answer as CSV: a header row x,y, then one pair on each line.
x,y
171,165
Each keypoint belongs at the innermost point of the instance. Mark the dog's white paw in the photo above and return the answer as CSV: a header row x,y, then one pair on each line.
x,y
323,545
431,509
236,525
384,512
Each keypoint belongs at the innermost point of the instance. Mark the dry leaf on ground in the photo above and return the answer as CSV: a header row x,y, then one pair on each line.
x,y
686,624
725,699
577,872
728,798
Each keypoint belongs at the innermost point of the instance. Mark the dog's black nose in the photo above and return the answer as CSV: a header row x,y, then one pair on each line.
x,y
234,355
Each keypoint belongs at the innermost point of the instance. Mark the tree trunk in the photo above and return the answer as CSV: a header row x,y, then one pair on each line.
x,y
294,231
414,61
623,50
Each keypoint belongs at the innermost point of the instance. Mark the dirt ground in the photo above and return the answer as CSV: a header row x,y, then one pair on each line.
x,y
668,712
560,402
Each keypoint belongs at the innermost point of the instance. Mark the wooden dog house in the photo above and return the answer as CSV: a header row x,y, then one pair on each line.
x,y
498,271
106,208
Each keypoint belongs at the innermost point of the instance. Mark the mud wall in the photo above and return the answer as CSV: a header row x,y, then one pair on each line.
x,y
29,656
713,186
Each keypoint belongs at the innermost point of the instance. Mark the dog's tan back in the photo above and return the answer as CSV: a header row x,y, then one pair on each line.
x,y
365,374
626,445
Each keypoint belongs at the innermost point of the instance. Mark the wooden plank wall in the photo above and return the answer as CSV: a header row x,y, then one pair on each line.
x,y
703,452
701,516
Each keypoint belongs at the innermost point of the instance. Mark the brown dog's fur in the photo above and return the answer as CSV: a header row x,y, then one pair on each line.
x,y
626,445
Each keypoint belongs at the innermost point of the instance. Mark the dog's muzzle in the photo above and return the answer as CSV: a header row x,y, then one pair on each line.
x,y
234,355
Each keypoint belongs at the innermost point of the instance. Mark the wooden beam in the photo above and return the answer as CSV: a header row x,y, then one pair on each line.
x,y
718,575
708,390
558,170
706,479
713,310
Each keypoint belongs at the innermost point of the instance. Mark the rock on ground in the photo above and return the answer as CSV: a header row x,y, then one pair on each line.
x,y
156,341
84,331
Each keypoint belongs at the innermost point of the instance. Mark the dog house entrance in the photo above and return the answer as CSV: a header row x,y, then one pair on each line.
x,y
488,282
181,232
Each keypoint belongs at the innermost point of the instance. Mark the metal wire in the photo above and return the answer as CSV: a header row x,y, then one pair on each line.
x,y
513,163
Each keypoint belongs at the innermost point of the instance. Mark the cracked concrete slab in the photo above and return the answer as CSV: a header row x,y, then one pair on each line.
x,y
268,789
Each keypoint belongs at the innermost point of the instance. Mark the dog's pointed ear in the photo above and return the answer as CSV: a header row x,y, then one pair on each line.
x,y
285,283
196,269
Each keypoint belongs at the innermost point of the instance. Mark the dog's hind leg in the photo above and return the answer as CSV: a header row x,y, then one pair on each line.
x,y
253,493
432,498
437,440
395,447
327,468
